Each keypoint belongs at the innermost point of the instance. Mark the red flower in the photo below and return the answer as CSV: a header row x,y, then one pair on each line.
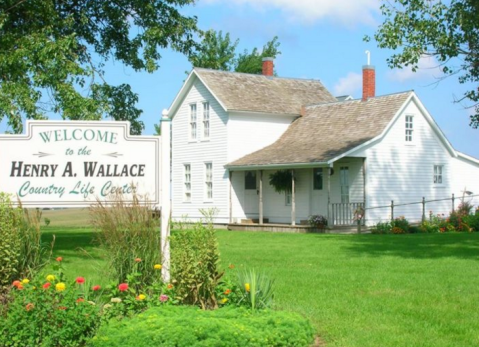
x,y
227,291
59,259
47,285
231,266
62,308
80,280
80,300
123,286
16,283
95,288
138,260
29,306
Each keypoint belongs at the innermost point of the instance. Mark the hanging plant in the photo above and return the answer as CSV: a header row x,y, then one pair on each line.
x,y
281,181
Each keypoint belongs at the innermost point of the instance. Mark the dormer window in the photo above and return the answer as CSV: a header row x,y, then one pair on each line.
x,y
409,128
193,125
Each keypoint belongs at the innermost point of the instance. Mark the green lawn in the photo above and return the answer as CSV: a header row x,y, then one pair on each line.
x,y
358,290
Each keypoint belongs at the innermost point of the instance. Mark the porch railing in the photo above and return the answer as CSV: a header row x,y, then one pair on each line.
x,y
343,213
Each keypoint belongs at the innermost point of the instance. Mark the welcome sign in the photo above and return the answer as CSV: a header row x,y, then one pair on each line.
x,y
73,163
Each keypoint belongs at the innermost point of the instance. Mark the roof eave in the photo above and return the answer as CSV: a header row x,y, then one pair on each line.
x,y
276,166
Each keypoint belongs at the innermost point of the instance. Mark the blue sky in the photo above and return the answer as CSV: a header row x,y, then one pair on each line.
x,y
320,39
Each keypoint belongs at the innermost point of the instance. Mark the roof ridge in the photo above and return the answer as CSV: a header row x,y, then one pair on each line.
x,y
257,75
356,100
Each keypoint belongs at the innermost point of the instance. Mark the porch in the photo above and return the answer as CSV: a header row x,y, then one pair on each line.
x,y
302,229
334,191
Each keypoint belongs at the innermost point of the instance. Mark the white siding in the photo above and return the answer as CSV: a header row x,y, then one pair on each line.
x,y
197,153
465,176
250,132
403,171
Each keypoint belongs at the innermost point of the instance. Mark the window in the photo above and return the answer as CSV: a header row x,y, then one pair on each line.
x,y
250,180
409,128
193,121
288,198
318,179
187,179
206,120
438,169
344,181
209,181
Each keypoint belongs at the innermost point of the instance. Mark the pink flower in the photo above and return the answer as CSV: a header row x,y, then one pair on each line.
x,y
80,280
163,298
138,260
123,286
96,288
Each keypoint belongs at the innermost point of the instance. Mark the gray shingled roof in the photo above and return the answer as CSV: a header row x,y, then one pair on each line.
x,y
328,130
258,93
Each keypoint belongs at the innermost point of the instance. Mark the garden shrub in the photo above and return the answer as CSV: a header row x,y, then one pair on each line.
x,y
195,265
473,220
183,326
381,228
400,223
128,231
10,244
318,222
51,313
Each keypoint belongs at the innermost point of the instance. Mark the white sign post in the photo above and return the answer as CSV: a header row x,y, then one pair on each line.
x,y
74,163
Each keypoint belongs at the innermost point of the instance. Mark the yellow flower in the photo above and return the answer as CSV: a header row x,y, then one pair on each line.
x,y
50,278
60,287
246,286
25,281
224,300
158,266
141,297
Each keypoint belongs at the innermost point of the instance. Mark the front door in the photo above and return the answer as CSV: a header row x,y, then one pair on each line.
x,y
251,199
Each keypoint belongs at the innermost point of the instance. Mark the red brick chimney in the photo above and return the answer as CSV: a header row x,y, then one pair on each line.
x,y
268,66
369,82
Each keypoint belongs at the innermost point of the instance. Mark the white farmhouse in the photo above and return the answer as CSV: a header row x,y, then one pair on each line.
x,y
231,131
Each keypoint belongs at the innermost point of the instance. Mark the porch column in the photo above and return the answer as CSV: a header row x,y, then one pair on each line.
x,y
261,197
330,222
230,197
365,189
293,200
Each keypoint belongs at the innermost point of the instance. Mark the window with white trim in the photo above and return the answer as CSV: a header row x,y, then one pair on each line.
x,y
193,125
409,128
209,181
206,120
344,182
187,179
438,172
288,198
318,179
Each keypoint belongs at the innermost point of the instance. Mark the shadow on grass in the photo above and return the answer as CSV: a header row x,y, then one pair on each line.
x,y
73,243
420,246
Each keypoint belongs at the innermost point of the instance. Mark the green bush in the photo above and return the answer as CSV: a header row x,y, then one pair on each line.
x,y
182,326
382,228
128,232
400,223
51,313
10,241
473,220
194,265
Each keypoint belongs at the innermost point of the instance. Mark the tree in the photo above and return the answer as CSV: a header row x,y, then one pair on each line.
x,y
447,31
218,52
52,54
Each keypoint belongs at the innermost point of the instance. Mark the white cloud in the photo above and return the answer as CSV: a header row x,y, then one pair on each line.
x,y
348,12
428,69
348,85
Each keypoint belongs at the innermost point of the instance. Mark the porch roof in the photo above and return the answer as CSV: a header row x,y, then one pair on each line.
x,y
327,131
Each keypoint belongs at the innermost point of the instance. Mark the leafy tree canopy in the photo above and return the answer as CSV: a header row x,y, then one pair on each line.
x,y
52,54
218,51
444,29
